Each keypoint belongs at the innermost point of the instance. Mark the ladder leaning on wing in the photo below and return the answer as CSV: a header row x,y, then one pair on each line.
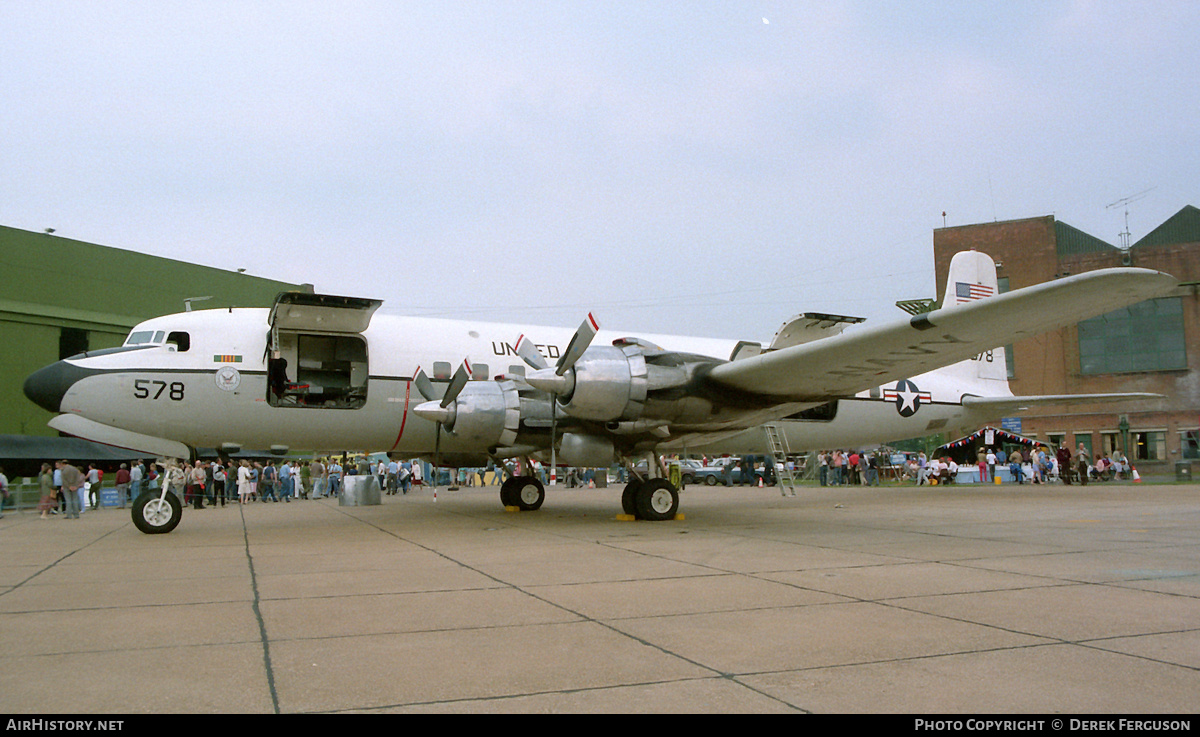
x,y
779,451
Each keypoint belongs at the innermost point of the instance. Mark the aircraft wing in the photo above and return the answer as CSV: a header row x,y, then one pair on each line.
x,y
1003,405
868,356
99,433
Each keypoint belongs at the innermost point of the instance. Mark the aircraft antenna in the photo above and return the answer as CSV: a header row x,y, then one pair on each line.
x,y
187,303
1125,202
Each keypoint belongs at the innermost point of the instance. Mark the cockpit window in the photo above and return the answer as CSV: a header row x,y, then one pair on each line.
x,y
138,337
145,337
181,341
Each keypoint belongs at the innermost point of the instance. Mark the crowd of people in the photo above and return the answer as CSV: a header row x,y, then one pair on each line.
x,y
842,468
1037,465
66,489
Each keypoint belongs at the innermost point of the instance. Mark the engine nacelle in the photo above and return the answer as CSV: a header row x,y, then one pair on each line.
x,y
609,383
586,451
484,414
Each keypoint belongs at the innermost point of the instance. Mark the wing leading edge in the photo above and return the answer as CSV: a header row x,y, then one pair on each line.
x,y
866,357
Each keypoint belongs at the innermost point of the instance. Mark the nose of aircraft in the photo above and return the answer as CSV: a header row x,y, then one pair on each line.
x,y
47,386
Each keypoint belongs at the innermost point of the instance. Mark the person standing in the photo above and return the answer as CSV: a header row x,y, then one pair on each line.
x,y
199,481
219,478
286,477
305,480
72,482
1064,464
136,474
266,482
318,477
93,485
46,488
123,483
243,482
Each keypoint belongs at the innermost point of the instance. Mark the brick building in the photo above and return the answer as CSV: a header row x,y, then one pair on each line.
x,y
1150,347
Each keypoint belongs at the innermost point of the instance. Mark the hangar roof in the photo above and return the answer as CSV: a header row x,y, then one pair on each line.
x,y
1182,227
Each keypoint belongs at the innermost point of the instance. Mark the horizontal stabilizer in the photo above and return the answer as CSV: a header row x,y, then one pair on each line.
x,y
1002,405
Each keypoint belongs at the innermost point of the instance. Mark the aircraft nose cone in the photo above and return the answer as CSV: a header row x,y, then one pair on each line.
x,y
47,386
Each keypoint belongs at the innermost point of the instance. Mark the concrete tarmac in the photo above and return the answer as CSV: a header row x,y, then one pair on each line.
x,y
1029,599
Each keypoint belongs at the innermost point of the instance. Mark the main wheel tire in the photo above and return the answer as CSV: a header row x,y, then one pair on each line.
x,y
528,493
657,500
508,496
156,514
629,498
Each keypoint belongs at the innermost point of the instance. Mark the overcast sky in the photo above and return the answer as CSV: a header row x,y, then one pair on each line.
x,y
705,168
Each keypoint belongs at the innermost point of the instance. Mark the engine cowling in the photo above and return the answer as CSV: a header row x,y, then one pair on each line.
x,y
607,383
484,414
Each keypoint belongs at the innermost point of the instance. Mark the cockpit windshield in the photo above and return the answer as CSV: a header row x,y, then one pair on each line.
x,y
145,337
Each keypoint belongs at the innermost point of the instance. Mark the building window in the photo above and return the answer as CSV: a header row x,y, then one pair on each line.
x,y
1110,442
71,342
1150,445
1190,442
1147,336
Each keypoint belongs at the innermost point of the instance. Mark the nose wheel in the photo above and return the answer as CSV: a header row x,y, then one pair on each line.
x,y
156,512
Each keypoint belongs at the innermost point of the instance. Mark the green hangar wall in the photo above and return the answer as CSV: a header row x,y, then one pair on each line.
x,y
61,297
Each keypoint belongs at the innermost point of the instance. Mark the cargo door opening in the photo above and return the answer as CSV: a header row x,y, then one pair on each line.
x,y
316,353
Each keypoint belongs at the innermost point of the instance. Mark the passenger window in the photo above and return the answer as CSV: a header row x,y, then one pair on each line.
x,y
479,371
441,370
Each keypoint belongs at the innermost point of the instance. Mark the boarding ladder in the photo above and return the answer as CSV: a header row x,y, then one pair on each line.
x,y
779,451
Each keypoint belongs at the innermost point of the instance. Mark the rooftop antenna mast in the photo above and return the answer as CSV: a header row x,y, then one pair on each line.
x,y
1126,202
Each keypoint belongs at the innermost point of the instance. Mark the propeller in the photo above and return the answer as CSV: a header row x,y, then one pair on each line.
x,y
440,411
556,381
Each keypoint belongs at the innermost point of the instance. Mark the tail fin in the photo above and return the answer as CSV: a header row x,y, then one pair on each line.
x,y
972,276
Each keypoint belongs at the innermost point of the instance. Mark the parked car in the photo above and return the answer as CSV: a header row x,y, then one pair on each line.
x,y
714,473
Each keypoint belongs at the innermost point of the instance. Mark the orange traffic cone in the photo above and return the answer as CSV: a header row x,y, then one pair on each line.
x,y
1136,478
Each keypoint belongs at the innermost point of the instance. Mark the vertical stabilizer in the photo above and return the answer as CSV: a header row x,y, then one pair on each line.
x,y
972,277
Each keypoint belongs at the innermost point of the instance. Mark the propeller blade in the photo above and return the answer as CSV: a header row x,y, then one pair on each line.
x,y
424,385
529,353
457,382
579,343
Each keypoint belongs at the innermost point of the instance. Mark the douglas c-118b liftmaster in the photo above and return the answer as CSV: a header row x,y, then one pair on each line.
x,y
320,373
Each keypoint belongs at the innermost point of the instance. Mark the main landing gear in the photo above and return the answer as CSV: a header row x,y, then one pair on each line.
x,y
650,499
654,499
524,492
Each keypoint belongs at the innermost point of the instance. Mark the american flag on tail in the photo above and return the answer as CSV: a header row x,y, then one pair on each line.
x,y
965,292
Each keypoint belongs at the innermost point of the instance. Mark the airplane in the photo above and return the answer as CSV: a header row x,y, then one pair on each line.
x,y
324,373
